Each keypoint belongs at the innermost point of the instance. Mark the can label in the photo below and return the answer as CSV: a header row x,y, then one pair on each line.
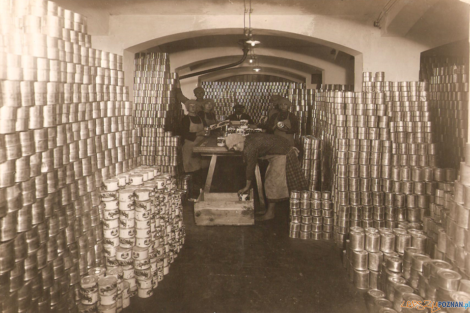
x,y
143,274
127,242
108,299
89,295
111,233
143,242
145,293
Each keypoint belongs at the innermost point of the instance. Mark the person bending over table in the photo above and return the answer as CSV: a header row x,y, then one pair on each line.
x,y
239,114
192,133
288,119
284,172
208,115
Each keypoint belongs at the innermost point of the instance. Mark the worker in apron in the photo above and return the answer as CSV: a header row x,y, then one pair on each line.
x,y
272,109
284,123
207,114
284,172
193,134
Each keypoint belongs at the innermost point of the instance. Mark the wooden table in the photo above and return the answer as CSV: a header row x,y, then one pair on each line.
x,y
208,147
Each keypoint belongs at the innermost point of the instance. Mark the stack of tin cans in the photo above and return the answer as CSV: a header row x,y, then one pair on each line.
x,y
449,97
311,215
156,113
161,148
311,161
300,98
255,96
378,153
65,125
142,227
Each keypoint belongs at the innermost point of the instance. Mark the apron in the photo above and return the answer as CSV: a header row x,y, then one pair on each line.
x,y
278,132
209,122
275,184
191,161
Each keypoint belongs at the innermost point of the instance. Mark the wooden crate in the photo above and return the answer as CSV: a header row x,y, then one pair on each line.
x,y
215,209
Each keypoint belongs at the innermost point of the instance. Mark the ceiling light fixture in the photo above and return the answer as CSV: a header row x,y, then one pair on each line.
x,y
257,69
249,31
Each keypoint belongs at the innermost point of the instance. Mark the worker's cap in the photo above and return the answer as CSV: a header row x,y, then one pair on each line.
x,y
232,139
238,106
275,98
199,89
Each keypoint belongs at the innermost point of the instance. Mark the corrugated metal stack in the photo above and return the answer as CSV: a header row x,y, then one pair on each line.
x,y
449,97
311,215
156,113
65,125
143,231
311,162
253,95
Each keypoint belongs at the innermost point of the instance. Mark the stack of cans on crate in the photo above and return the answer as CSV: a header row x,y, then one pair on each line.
x,y
65,125
311,161
156,113
449,98
300,98
254,96
143,227
311,215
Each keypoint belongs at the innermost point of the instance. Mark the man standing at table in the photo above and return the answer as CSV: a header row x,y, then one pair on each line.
x,y
284,123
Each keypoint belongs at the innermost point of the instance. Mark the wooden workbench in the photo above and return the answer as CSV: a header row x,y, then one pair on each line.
x,y
208,147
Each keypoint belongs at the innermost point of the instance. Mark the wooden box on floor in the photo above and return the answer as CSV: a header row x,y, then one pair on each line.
x,y
216,209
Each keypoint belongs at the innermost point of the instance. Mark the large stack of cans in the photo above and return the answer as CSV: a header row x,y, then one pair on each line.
x,y
142,228
254,96
449,97
447,226
311,215
300,98
311,161
65,125
393,265
319,121
378,147
156,113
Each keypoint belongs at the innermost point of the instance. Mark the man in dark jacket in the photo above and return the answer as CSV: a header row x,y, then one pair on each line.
x,y
239,114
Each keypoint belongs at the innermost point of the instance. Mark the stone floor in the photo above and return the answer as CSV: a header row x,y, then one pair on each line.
x,y
252,269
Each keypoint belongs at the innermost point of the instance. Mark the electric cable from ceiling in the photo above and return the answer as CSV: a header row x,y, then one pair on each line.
x,y
384,11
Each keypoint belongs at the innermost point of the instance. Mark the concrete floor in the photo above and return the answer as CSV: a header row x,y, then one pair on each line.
x,y
252,269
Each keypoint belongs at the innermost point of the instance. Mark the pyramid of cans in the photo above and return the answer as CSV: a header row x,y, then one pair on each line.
x,y
254,96
65,125
449,97
156,113
311,161
311,215
143,233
